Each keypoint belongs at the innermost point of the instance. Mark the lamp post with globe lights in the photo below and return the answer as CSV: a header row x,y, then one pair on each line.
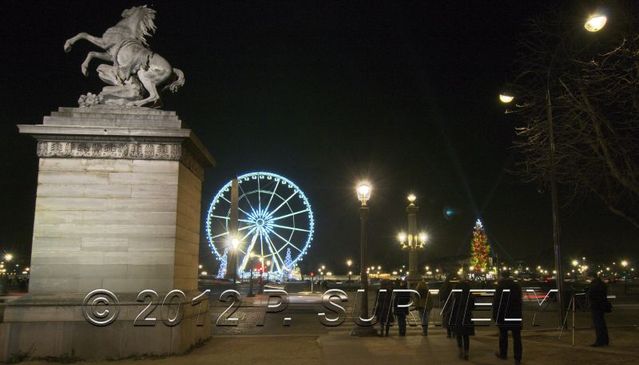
x,y
349,263
412,241
363,195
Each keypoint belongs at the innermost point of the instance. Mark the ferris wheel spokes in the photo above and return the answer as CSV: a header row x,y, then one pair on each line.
x,y
249,249
285,241
289,215
275,254
290,228
266,208
272,194
238,208
270,214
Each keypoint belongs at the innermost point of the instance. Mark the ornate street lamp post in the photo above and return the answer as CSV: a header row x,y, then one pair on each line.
x,y
363,195
412,241
349,263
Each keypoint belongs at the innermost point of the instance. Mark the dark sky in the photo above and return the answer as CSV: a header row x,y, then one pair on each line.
x,y
325,93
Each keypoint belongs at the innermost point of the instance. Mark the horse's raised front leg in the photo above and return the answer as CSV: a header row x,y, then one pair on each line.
x,y
86,36
91,55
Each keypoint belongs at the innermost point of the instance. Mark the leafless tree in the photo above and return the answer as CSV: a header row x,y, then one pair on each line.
x,y
582,91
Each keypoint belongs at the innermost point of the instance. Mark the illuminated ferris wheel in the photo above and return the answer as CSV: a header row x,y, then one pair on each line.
x,y
275,222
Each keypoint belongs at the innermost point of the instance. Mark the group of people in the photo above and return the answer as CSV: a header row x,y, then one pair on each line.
x,y
457,311
457,315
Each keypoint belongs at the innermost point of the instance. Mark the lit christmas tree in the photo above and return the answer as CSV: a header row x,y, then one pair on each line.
x,y
288,263
221,272
479,248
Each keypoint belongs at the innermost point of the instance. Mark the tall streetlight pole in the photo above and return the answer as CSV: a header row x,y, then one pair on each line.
x,y
363,195
349,263
594,23
411,211
412,241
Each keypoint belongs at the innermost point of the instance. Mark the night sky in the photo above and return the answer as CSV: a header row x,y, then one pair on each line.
x,y
325,93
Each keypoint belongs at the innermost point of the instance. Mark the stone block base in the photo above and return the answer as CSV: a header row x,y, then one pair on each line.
x,y
55,327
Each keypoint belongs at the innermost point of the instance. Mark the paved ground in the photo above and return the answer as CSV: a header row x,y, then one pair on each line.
x,y
337,347
306,341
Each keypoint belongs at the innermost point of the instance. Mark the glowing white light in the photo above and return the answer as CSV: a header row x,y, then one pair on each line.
x,y
624,263
506,98
364,192
423,237
401,237
595,22
411,198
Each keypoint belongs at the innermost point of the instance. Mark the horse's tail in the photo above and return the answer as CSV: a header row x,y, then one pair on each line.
x,y
179,81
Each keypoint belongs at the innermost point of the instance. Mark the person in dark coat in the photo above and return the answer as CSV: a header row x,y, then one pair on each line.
x,y
507,305
599,305
424,305
444,292
401,312
461,314
383,308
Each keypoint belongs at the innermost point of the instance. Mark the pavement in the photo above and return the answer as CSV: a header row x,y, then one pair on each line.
x,y
306,341
338,347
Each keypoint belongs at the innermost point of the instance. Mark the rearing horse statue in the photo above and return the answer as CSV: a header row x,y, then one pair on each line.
x,y
135,67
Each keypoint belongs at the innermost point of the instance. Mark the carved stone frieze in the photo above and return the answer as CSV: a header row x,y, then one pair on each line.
x,y
115,150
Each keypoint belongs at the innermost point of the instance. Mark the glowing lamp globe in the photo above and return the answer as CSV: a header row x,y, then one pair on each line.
x,y
364,192
595,22
411,198
506,98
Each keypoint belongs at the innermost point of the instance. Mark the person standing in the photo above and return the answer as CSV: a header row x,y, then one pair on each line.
x,y
444,293
401,298
383,307
599,305
424,305
461,314
507,314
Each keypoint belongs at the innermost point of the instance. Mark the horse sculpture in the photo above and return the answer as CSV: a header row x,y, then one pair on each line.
x,y
135,68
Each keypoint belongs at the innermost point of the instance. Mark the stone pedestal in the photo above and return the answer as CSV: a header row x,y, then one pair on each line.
x,y
117,207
